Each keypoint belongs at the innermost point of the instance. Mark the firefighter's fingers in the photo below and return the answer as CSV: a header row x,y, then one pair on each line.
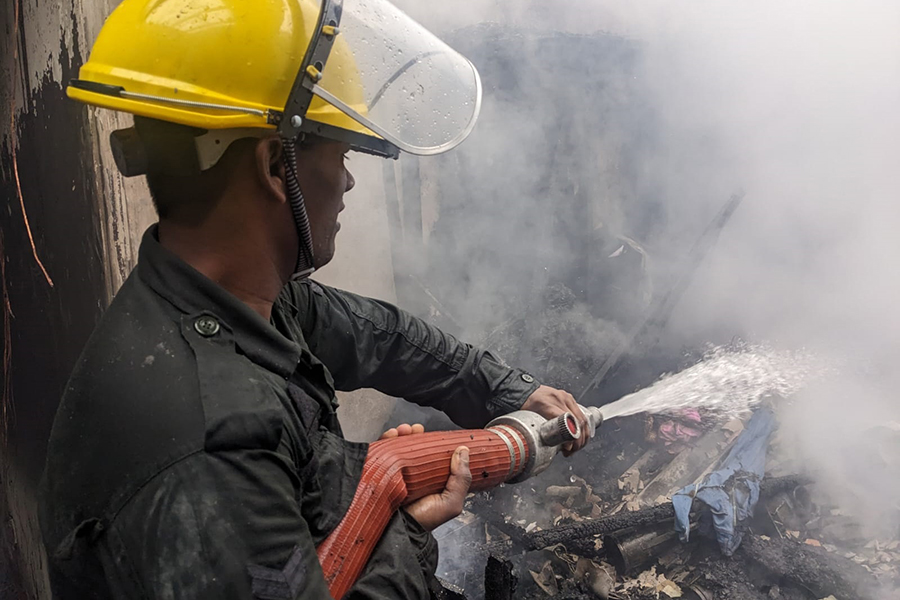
x,y
550,402
401,430
390,433
572,407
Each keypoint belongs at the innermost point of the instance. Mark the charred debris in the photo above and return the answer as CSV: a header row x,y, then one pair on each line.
x,y
680,505
603,525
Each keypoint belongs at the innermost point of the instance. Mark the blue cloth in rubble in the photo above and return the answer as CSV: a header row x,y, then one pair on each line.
x,y
745,466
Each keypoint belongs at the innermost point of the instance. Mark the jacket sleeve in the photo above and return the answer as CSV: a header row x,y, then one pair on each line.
x,y
404,562
368,343
227,526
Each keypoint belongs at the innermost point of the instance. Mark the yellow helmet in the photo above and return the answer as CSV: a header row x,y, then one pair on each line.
x,y
358,71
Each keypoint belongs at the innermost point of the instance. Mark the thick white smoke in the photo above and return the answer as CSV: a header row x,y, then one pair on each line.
x,y
796,103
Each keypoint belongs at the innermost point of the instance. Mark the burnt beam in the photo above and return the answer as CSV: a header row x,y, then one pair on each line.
x,y
821,572
500,580
641,518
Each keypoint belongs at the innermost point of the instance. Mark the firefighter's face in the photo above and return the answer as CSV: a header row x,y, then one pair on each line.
x,y
324,179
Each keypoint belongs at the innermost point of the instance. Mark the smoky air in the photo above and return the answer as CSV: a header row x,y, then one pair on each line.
x,y
610,138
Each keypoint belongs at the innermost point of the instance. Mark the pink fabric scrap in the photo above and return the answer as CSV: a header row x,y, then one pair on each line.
x,y
678,432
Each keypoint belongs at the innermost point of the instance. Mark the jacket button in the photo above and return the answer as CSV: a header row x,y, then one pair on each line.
x,y
527,378
206,326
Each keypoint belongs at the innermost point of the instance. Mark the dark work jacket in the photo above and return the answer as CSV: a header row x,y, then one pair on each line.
x,y
196,452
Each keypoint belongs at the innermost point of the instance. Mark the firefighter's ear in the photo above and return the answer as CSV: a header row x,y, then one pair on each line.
x,y
270,168
128,151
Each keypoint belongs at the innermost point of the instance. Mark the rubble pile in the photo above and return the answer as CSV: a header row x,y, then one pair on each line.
x,y
603,525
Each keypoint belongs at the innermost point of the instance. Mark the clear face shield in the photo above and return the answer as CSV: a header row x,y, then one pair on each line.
x,y
395,85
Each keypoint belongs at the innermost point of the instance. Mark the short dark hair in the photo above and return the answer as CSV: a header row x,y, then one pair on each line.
x,y
183,197
178,188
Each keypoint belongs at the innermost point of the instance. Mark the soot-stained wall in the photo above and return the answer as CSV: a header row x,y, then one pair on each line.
x,y
54,283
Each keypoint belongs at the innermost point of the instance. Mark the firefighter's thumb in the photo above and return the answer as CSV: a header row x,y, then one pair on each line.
x,y
460,478
436,509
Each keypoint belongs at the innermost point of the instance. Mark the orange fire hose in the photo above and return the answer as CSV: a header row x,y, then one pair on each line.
x,y
402,470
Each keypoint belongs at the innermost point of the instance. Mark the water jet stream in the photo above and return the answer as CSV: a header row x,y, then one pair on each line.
x,y
727,382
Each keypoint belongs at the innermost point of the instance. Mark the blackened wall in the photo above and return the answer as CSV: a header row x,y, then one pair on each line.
x,y
53,277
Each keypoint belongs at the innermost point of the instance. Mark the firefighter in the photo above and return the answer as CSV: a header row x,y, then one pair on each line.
x,y
196,452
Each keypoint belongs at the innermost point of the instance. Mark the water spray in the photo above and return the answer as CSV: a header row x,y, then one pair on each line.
x,y
727,382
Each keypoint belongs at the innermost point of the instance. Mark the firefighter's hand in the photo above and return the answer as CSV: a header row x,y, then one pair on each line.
x,y
400,430
437,509
549,403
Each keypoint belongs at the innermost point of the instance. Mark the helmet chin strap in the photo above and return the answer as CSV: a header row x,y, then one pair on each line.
x,y
305,265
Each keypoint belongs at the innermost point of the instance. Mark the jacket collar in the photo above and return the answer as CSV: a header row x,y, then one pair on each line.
x,y
192,293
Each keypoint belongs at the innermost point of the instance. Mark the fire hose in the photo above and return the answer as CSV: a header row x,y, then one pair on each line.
x,y
400,471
